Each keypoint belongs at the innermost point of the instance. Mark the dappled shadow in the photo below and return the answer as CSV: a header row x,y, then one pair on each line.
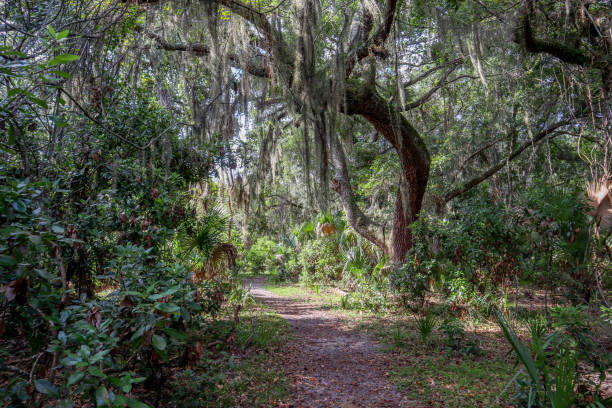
x,y
330,365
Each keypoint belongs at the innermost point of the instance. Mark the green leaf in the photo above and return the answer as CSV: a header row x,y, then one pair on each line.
x,y
159,342
76,377
115,380
95,371
40,102
16,91
58,229
58,120
16,53
132,403
102,397
167,307
175,333
44,274
19,206
52,31
61,35
98,356
168,292
138,334
71,361
62,59
85,350
132,293
6,260
35,239
45,387
519,348
61,73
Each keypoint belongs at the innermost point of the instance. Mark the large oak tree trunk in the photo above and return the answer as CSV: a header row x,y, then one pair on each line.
x,y
413,155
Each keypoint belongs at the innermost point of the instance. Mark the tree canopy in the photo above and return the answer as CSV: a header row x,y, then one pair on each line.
x,y
407,148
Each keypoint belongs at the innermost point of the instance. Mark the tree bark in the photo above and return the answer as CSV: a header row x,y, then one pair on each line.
x,y
413,155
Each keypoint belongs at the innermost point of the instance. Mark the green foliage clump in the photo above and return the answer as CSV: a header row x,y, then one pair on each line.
x,y
94,280
104,341
549,377
320,260
560,238
411,281
426,323
485,246
456,337
261,256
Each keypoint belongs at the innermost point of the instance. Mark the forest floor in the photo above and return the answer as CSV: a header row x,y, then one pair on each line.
x,y
326,363
426,374
466,369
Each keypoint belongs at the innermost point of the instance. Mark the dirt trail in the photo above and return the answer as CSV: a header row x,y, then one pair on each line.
x,y
328,365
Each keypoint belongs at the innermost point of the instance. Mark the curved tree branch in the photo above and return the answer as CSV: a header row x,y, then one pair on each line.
x,y
413,156
253,64
375,45
439,84
474,181
430,71
524,35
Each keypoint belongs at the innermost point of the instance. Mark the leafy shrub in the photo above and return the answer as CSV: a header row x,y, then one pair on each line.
x,y
411,280
105,220
607,313
457,339
538,327
559,218
286,266
398,336
320,260
357,265
101,342
572,317
551,375
260,256
459,289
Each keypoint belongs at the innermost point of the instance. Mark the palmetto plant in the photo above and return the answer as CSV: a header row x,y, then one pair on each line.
x,y
546,385
357,263
600,201
205,237
426,324
306,231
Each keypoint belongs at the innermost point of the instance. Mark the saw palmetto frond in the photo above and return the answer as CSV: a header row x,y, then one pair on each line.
x,y
222,257
600,202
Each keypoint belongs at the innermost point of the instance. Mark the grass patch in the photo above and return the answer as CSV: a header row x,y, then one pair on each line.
x,y
243,374
291,290
442,383
327,298
262,328
436,374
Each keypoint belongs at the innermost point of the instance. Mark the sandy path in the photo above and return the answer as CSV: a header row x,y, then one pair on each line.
x,y
328,365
